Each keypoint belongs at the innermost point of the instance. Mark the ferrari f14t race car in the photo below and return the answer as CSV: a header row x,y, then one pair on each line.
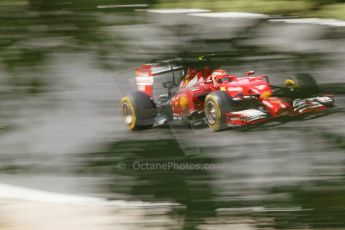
x,y
168,92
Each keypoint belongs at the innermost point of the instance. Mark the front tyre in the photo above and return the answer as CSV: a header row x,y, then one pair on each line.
x,y
217,104
138,111
303,85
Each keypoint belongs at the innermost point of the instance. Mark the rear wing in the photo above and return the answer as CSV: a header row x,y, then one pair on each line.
x,y
144,75
155,69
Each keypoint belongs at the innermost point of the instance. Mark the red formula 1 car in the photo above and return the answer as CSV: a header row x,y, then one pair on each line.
x,y
169,92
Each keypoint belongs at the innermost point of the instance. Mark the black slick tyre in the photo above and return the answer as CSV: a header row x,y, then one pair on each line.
x,y
138,111
217,104
303,85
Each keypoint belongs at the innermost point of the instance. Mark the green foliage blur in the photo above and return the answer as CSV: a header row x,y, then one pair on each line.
x,y
305,8
36,27
30,30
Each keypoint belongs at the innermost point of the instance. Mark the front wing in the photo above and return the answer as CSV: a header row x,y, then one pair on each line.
x,y
299,108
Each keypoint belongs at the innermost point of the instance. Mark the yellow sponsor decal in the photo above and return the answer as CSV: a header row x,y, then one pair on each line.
x,y
266,94
184,102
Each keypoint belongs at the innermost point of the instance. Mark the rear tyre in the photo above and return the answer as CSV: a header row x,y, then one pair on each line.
x,y
303,85
217,104
138,111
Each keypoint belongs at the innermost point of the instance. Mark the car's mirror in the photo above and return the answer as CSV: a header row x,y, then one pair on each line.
x,y
168,84
249,73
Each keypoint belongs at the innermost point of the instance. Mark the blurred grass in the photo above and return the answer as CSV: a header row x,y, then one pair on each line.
x,y
303,8
261,6
13,2
332,11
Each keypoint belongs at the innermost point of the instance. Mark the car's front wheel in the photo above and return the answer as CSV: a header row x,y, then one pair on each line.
x,y
302,85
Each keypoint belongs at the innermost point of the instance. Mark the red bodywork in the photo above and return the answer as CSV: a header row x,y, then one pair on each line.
x,y
144,78
190,98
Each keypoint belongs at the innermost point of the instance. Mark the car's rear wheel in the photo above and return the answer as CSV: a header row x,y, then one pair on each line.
x,y
138,111
217,104
303,85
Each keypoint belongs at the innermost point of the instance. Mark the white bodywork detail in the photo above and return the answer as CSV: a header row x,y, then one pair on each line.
x,y
192,82
256,91
144,80
267,104
282,105
301,105
260,87
251,114
324,100
234,88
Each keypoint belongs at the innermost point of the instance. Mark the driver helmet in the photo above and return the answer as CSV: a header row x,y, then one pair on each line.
x,y
217,75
